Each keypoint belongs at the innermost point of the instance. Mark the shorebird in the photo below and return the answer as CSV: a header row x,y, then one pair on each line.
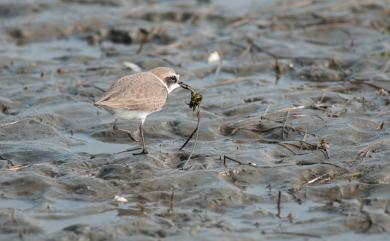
x,y
137,95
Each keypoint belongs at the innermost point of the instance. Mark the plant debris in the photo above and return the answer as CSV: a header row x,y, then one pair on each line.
x,y
194,104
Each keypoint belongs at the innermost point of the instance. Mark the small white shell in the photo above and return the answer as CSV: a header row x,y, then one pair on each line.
x,y
134,67
119,200
214,57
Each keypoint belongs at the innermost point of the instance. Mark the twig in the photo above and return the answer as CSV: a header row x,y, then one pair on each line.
x,y
195,101
128,150
144,39
277,67
18,167
11,166
278,71
381,125
231,159
308,146
238,162
284,125
308,235
260,49
170,209
193,132
365,152
305,163
303,145
8,161
228,82
288,148
225,158
278,204
196,139
317,178
92,86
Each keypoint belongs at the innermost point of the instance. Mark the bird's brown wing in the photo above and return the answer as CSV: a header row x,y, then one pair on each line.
x,y
141,91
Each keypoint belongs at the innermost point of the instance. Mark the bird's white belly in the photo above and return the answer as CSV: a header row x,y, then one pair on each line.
x,y
125,114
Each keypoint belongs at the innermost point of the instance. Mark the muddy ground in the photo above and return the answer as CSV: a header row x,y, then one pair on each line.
x,y
294,139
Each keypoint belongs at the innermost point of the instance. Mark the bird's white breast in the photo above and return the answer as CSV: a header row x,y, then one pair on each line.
x,y
172,87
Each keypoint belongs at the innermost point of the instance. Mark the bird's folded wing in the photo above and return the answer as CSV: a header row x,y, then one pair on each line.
x,y
144,104
142,91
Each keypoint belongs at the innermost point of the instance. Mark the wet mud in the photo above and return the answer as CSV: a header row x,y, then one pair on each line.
x,y
294,137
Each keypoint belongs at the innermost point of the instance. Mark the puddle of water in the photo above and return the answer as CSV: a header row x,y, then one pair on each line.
x,y
53,226
235,102
15,204
53,49
241,5
69,212
299,211
93,146
72,205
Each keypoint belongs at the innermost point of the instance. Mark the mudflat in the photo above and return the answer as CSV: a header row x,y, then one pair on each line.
x,y
294,138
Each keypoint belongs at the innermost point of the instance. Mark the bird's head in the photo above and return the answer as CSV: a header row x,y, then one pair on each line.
x,y
168,75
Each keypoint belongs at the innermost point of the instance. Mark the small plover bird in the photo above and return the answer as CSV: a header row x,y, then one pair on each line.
x,y
137,95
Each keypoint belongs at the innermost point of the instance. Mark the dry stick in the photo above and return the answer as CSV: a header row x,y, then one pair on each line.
x,y
381,125
8,160
11,166
284,126
237,161
308,235
278,204
224,161
299,147
288,148
92,86
310,146
196,139
18,167
128,150
254,45
228,82
273,128
260,49
304,163
317,178
170,210
225,158
193,132
231,159
277,67
278,71
369,148
144,38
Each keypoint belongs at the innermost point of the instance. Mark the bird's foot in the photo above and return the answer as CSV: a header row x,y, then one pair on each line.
x,y
143,152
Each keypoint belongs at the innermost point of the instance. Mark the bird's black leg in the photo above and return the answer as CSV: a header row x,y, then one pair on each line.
x,y
131,136
141,133
115,128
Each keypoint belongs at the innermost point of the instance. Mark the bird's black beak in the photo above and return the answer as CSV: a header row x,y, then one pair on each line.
x,y
184,86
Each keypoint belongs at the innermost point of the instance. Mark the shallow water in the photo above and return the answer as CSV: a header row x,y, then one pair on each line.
x,y
299,105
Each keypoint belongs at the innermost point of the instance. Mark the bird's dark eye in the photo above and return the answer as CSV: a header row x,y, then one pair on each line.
x,y
174,79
